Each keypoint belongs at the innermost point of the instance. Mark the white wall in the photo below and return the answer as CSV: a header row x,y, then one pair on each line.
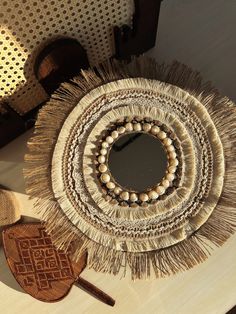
x,y
201,34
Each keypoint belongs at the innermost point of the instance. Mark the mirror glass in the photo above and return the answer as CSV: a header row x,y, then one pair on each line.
x,y
137,161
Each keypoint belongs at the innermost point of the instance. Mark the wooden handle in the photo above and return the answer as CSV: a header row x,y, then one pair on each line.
x,y
99,294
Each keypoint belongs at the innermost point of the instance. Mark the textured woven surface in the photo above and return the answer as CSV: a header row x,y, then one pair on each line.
x,y
9,208
75,180
27,26
166,228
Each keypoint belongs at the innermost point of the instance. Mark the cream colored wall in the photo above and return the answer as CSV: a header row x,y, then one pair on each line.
x,y
202,34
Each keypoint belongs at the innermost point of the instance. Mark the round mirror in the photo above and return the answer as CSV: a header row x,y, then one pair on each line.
x,y
137,161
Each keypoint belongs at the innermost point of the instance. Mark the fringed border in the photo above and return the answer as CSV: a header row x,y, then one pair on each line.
x,y
186,254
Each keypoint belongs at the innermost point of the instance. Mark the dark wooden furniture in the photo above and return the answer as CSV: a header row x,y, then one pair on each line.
x,y
58,62
142,36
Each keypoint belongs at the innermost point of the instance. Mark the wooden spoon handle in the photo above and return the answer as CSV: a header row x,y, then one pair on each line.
x,y
99,294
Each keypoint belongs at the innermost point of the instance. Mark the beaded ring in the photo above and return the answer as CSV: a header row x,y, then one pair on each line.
x,y
119,193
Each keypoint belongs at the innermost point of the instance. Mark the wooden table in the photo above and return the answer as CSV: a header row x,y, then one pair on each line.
x,y
206,289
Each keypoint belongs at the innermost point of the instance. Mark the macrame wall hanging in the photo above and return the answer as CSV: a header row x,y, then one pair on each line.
x,y
165,228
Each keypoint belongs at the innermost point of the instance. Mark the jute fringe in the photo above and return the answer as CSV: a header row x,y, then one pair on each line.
x,y
187,253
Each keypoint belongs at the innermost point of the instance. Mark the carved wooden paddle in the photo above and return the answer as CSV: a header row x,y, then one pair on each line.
x,y
44,272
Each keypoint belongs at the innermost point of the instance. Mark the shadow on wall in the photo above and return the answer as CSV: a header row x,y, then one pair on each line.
x,y
200,34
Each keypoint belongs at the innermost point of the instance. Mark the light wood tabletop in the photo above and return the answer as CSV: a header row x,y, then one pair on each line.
x,y
209,288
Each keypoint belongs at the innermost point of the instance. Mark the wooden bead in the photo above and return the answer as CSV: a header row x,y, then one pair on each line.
x,y
117,190
102,168
165,183
137,127
109,140
172,155
103,151
105,178
114,134
153,195
170,176
143,197
160,189
129,126
171,169
155,129
105,145
121,130
161,135
170,148
147,127
110,185
167,141
174,162
101,159
124,195
133,197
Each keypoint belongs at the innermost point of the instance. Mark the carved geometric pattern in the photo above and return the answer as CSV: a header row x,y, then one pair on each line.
x,y
40,262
